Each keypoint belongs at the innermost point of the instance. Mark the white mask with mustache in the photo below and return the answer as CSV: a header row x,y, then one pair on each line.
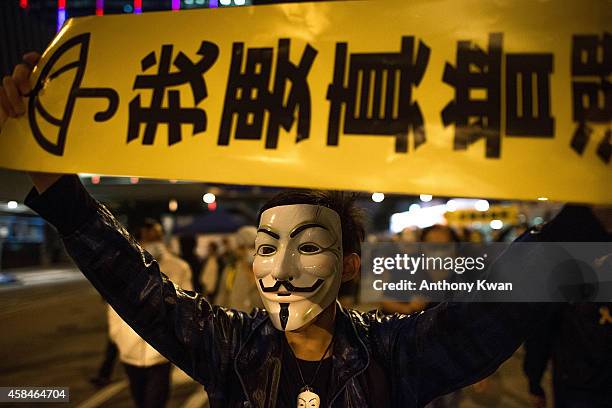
x,y
298,262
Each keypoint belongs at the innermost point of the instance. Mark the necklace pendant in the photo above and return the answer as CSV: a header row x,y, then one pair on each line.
x,y
307,398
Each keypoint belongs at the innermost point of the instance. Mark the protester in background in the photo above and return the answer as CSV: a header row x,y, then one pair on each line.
x,y
409,234
438,233
147,370
578,340
238,288
212,267
228,255
472,235
103,378
577,337
512,232
188,245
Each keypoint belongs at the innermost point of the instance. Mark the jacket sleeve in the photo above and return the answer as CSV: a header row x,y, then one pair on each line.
x,y
194,335
456,344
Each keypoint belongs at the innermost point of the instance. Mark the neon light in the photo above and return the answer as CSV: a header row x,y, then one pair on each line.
x,y
61,13
176,5
213,4
23,3
99,7
61,17
137,6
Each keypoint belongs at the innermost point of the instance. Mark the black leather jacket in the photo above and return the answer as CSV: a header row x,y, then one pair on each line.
x,y
236,355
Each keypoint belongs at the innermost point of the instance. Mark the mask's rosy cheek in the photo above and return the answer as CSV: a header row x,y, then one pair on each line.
x,y
321,265
262,266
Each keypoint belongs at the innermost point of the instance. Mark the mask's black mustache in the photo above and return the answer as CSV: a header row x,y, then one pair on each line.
x,y
289,286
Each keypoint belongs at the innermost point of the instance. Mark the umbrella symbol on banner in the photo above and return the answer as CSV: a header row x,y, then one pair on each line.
x,y
78,46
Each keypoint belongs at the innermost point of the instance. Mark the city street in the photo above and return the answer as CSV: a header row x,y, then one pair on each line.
x,y
54,334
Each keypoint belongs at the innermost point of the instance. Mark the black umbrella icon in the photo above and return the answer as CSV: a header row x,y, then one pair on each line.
x,y
79,43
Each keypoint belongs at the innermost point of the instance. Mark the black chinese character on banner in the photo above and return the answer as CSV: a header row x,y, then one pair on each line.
x,y
528,95
174,115
476,109
475,118
248,97
377,97
592,91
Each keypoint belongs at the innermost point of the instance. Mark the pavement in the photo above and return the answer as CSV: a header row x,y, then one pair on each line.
x,y
54,334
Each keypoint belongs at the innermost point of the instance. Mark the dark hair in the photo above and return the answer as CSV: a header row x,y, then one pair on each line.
x,y
351,216
453,234
144,224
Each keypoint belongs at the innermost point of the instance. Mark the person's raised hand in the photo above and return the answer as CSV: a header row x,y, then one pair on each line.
x,y
14,90
16,87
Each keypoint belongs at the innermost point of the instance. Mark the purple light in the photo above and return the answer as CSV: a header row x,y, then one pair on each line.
x,y
176,5
213,3
137,6
61,13
61,17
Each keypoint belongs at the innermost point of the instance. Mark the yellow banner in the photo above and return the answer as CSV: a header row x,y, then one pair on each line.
x,y
500,99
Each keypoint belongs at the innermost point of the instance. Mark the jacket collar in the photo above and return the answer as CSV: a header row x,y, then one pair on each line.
x,y
258,362
350,356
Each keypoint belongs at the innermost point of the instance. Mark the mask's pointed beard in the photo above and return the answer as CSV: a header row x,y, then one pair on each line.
x,y
284,314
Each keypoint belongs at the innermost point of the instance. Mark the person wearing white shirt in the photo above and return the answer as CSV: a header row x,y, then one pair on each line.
x,y
147,370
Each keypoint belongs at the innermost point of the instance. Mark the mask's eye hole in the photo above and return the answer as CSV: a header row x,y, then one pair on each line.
x,y
266,250
309,248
